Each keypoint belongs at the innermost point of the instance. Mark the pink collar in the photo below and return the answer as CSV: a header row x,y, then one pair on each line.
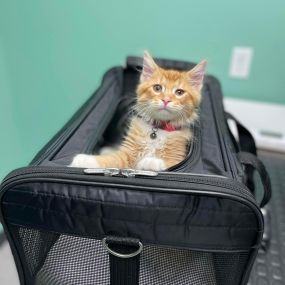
x,y
167,126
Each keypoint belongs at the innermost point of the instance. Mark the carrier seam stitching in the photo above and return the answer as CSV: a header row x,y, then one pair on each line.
x,y
147,241
123,220
122,204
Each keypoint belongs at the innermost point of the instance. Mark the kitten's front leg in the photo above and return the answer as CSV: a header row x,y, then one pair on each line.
x,y
151,163
85,161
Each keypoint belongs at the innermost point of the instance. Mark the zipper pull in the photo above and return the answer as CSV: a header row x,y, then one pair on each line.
x,y
128,172
105,171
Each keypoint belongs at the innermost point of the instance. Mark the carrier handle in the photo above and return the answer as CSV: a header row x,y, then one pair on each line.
x,y
136,63
250,159
246,140
245,143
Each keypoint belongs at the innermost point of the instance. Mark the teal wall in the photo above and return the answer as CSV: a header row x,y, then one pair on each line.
x,y
53,54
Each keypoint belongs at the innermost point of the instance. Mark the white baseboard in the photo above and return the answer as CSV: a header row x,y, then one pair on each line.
x,y
265,121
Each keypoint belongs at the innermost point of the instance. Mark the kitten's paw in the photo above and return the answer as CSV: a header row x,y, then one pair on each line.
x,y
84,161
151,163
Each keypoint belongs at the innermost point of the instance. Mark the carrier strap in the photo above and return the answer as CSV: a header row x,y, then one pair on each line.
x,y
124,271
245,143
246,140
253,161
124,258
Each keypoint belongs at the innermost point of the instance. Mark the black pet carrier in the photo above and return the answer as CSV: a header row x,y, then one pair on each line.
x,y
196,223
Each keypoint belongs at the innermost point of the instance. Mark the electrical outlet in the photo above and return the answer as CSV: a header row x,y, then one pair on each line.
x,y
240,62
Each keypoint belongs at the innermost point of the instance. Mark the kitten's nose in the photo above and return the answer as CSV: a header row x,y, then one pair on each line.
x,y
165,101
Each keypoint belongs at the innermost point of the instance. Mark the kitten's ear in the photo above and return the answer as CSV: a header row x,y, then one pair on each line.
x,y
196,75
149,66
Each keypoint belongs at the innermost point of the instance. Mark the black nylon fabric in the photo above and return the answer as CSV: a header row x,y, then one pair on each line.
x,y
109,95
211,157
175,220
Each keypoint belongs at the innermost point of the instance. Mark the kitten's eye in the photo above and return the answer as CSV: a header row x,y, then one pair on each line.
x,y
179,92
157,88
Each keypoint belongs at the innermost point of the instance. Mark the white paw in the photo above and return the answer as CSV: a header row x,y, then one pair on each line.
x,y
85,161
151,163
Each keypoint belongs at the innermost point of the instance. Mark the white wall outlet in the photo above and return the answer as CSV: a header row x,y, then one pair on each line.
x,y
240,62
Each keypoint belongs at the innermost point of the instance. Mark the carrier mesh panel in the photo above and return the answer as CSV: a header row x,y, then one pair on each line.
x,y
53,259
35,246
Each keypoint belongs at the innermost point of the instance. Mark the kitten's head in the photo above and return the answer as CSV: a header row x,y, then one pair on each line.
x,y
169,95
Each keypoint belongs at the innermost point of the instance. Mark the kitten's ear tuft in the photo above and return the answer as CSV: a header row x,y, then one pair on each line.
x,y
196,75
149,66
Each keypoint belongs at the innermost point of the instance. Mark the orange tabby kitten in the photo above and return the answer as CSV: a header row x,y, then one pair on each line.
x,y
157,138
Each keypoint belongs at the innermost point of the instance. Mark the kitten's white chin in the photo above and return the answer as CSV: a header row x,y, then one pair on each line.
x,y
164,115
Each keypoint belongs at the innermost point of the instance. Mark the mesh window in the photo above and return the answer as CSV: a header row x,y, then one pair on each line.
x,y
54,259
34,246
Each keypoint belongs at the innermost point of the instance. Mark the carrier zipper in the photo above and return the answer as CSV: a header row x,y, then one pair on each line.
x,y
165,176
104,171
128,172
119,172
212,180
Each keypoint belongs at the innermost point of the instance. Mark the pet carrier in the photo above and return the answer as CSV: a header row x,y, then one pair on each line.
x,y
196,223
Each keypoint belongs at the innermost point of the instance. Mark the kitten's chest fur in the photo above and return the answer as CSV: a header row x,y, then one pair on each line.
x,y
149,145
169,146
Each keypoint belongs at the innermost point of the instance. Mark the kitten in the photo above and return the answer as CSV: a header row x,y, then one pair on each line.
x,y
157,138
